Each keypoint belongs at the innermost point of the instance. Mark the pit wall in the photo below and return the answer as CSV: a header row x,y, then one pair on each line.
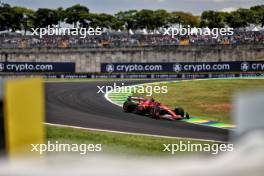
x,y
89,60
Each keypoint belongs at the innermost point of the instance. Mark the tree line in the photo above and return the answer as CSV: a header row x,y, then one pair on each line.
x,y
21,18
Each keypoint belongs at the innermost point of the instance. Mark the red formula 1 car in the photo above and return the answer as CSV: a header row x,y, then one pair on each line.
x,y
153,109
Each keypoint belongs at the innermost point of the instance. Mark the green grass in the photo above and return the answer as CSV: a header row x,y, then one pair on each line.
x,y
115,143
208,99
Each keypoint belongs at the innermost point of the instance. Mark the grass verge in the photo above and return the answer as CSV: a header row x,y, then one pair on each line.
x,y
208,99
115,143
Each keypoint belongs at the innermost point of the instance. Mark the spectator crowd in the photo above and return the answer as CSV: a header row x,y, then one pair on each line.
x,y
123,39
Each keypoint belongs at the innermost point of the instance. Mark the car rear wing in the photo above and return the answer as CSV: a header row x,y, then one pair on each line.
x,y
131,98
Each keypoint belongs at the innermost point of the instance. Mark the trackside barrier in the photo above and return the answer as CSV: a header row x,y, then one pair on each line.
x,y
23,104
138,76
152,76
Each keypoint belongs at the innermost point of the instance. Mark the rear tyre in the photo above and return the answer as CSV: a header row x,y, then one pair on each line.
x,y
129,106
179,111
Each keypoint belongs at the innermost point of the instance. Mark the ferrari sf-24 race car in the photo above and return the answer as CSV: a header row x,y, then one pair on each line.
x,y
154,109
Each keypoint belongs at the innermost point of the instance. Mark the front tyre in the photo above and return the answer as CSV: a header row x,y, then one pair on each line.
x,y
187,116
179,111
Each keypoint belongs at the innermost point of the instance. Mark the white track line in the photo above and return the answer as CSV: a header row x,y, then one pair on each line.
x,y
130,133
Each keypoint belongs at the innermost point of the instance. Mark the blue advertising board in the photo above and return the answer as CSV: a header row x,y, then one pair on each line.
x,y
184,67
37,67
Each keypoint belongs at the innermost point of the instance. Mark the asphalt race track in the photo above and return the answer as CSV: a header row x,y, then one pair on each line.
x,y
78,104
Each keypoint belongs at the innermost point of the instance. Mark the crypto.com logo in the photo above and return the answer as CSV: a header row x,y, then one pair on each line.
x,y
110,68
177,67
244,66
